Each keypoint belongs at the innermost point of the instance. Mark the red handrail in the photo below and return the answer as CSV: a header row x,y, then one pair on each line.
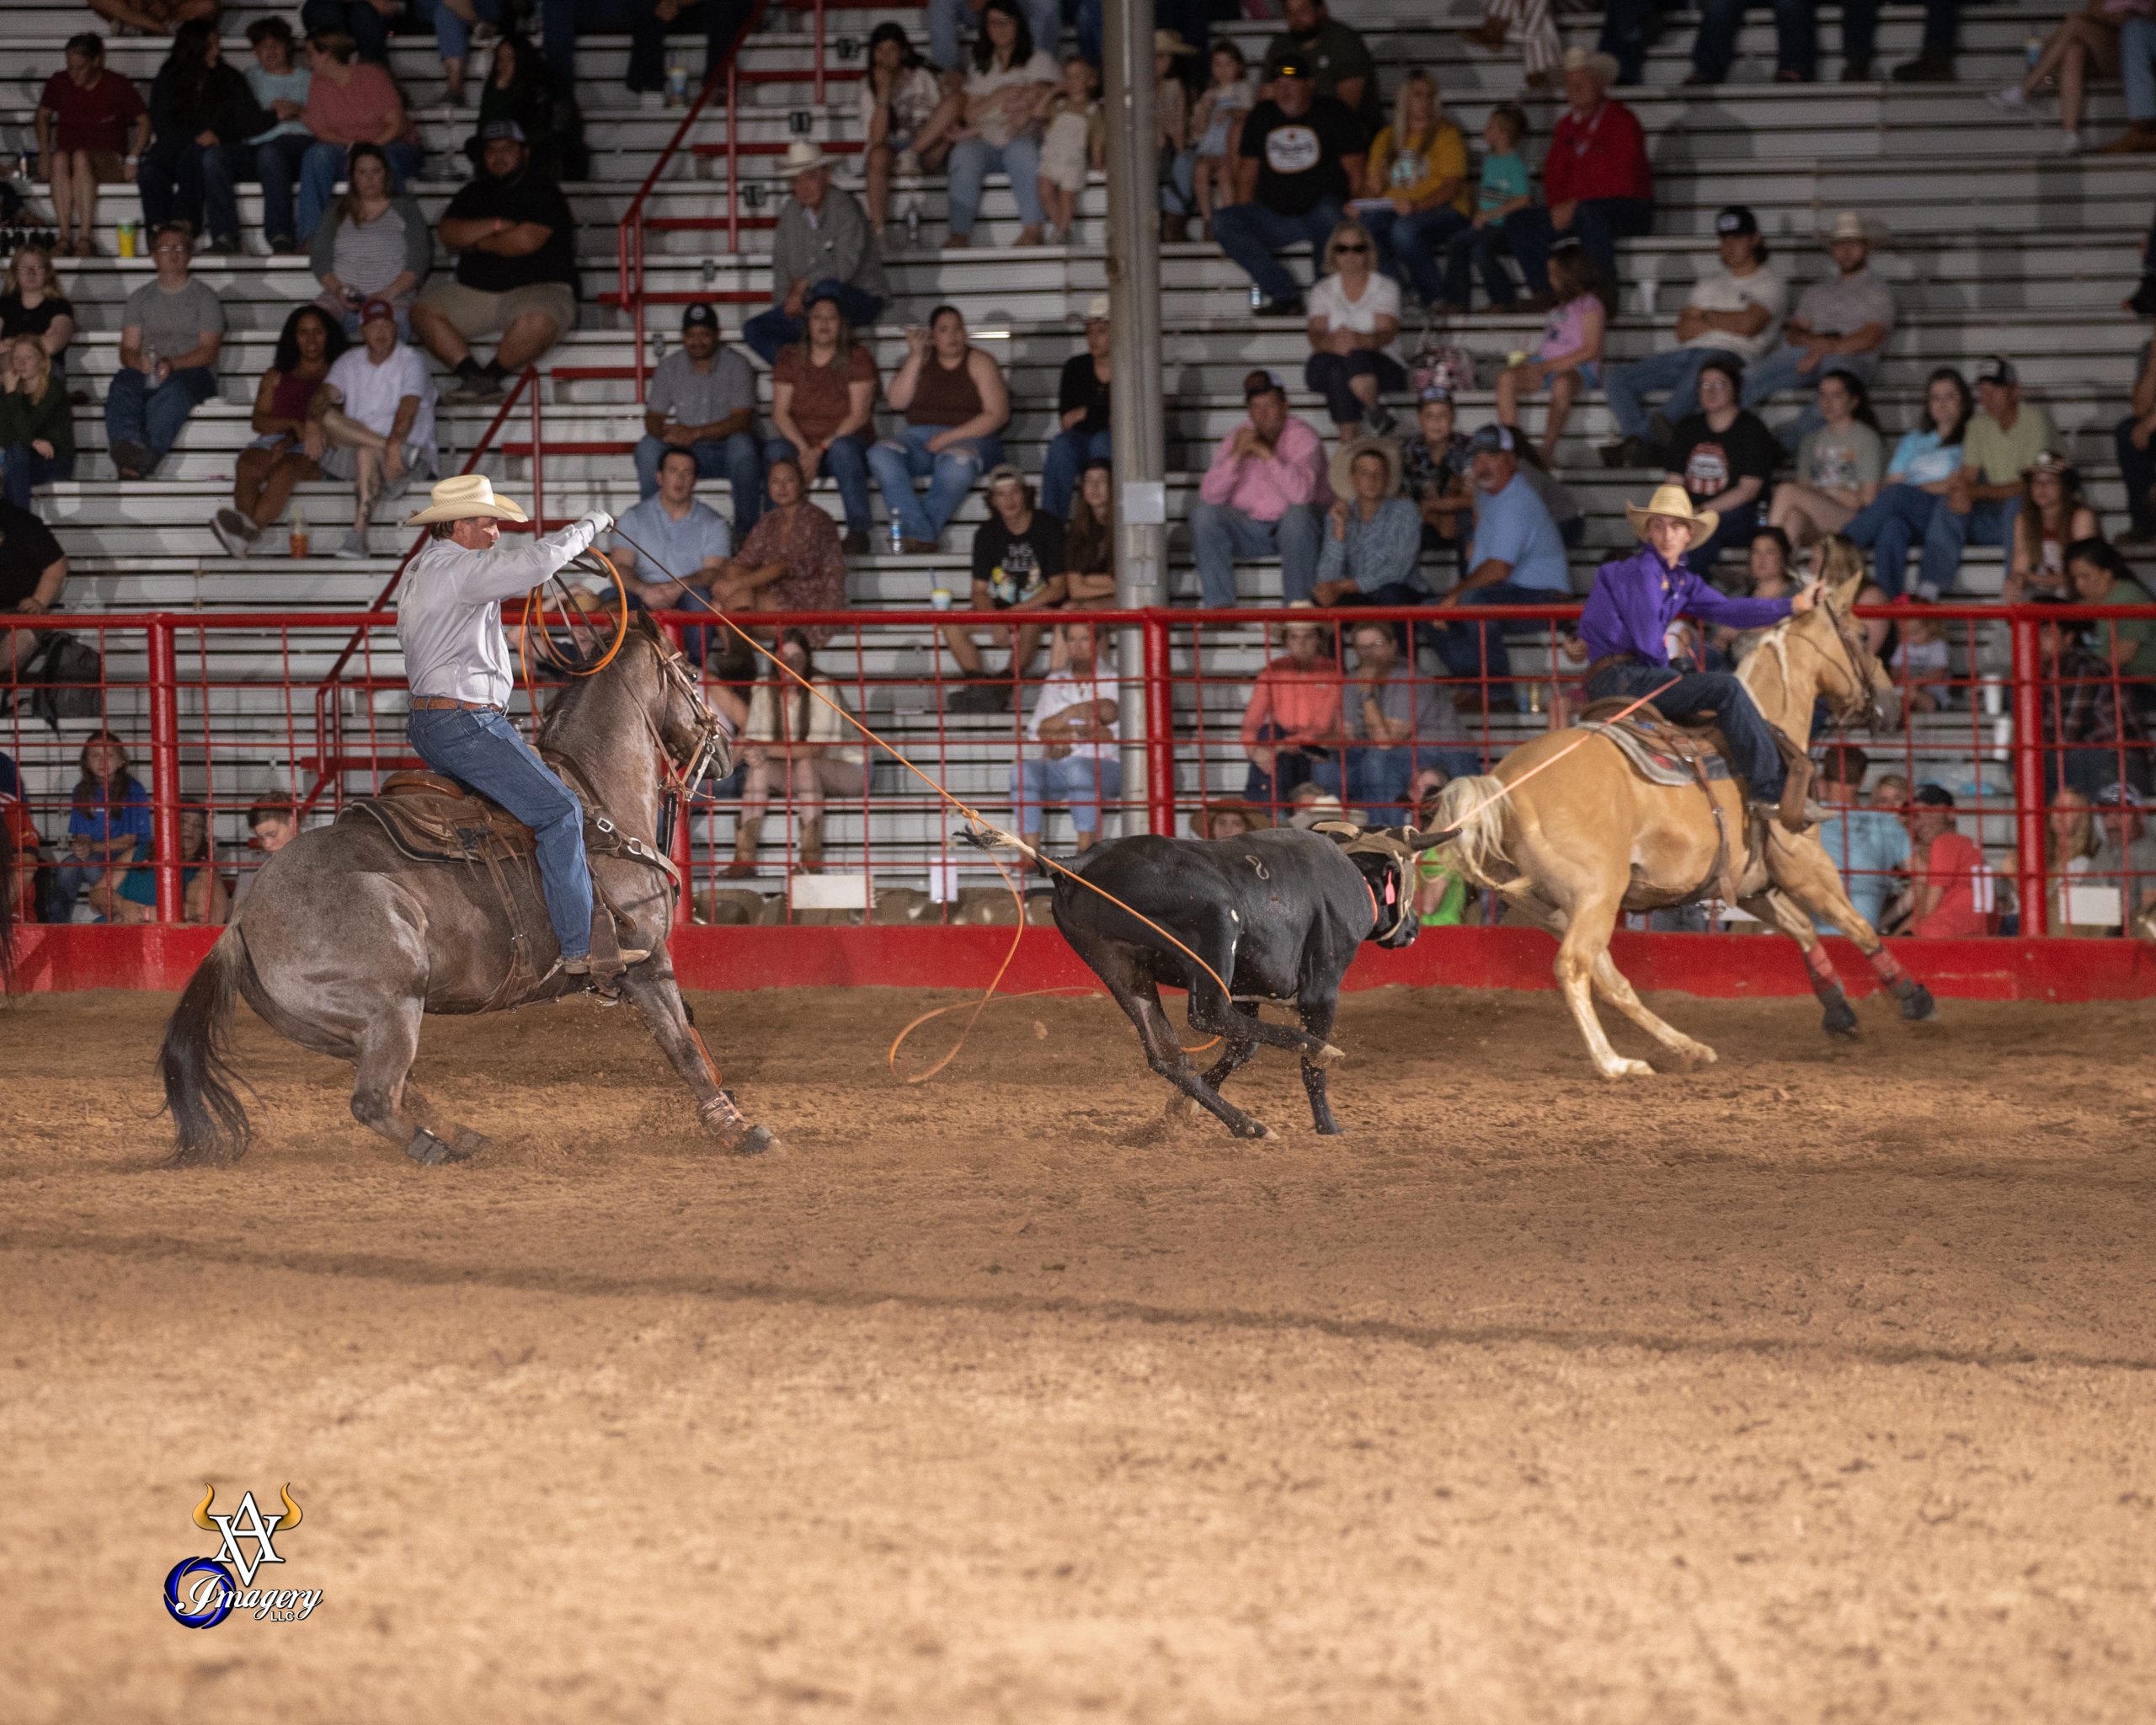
x,y
629,234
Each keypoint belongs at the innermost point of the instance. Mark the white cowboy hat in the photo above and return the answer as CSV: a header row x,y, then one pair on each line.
x,y
1675,502
1342,472
1603,66
1849,224
466,497
802,155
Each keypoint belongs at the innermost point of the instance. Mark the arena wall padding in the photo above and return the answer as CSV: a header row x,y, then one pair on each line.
x,y
1718,966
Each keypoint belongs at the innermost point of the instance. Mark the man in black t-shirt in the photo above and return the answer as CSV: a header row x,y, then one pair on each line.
x,y
1724,457
1018,565
1300,161
33,570
1081,410
515,246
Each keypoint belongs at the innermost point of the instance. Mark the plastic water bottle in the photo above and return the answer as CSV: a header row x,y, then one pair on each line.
x,y
898,537
913,227
2032,50
1256,297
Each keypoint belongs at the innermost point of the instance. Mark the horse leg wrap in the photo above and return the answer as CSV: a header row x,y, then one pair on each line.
x,y
1824,982
1890,972
719,1113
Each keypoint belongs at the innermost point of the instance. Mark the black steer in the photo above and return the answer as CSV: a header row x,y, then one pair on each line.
x,y
1277,913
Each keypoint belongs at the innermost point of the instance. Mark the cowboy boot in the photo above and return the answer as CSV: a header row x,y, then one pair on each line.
x,y
746,837
811,844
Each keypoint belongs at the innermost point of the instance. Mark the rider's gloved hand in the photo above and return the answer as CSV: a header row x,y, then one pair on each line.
x,y
597,520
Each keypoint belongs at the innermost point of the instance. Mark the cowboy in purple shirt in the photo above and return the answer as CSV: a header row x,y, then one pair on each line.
x,y
1627,620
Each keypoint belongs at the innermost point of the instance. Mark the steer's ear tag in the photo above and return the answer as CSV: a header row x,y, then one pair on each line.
x,y
1391,888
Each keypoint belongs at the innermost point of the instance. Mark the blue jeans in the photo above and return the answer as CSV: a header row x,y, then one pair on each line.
x,y
846,460
1985,524
1861,29
22,467
352,17
1291,771
175,180
1478,251
452,35
1331,375
1597,221
897,462
1477,649
1220,534
1771,373
767,332
952,23
1886,527
1676,370
2137,68
274,164
135,412
483,750
1752,755
740,457
974,159
1068,452
1625,36
1796,37
720,20
1408,246
1249,234
1375,780
2138,468
561,21
323,166
1081,784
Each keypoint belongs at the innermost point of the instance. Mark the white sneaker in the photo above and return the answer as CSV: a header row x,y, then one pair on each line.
x,y
2013,96
355,545
234,531
907,166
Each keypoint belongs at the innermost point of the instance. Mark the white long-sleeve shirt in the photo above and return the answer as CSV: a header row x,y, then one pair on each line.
x,y
449,616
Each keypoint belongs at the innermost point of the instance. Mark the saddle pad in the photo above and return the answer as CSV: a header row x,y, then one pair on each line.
x,y
1655,764
430,827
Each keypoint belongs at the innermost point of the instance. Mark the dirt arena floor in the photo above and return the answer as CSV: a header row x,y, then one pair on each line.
x,y
1815,1386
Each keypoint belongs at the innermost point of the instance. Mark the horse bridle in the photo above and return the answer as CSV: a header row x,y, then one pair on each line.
x,y
713,746
1858,653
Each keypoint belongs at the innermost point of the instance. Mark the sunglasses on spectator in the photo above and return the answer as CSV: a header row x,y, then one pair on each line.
x,y
1350,246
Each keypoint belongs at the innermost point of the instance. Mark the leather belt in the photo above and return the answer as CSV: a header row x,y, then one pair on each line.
x,y
436,704
1608,660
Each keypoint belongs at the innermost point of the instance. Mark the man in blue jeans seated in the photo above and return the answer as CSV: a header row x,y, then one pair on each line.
x,y
702,399
1516,557
822,247
1075,761
449,622
1299,162
171,333
1625,628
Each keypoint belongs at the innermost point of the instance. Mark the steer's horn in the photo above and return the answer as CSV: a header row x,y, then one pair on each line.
x,y
292,1510
1430,841
202,1510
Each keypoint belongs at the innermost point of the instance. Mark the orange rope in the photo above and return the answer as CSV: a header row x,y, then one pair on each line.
x,y
532,602
971,813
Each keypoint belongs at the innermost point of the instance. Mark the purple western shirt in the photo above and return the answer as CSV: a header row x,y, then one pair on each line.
x,y
1637,598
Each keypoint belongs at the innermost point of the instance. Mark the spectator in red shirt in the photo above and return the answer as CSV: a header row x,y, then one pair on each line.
x,y
1949,884
351,101
92,130
1596,183
1293,720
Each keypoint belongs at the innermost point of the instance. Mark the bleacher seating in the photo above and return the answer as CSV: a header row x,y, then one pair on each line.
x,y
1994,245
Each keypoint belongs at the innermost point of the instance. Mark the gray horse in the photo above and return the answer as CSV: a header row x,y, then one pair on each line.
x,y
343,942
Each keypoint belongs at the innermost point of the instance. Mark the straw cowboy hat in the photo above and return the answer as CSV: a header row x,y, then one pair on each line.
x,y
1172,42
1603,66
466,497
1343,470
1675,502
802,155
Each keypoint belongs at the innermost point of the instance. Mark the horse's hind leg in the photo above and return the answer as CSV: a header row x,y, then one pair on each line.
x,y
1612,984
383,1049
1776,908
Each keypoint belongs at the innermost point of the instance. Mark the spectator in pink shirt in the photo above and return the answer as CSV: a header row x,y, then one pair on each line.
x,y
1264,494
350,101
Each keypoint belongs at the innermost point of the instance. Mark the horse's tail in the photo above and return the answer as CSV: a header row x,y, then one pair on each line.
x,y
195,1059
1472,809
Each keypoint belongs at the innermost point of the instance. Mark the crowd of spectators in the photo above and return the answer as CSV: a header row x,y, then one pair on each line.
x,y
1300,152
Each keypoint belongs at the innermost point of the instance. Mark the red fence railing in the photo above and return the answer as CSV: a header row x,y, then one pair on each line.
x,y
2024,714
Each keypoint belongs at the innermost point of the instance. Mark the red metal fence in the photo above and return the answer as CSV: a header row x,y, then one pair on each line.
x,y
221,712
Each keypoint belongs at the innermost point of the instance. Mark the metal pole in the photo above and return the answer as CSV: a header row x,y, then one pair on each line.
x,y
164,766
2029,693
1135,399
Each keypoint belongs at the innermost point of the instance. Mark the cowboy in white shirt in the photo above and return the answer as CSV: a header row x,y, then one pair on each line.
x,y
449,620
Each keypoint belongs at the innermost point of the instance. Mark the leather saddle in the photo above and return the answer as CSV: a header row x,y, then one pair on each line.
x,y
1661,749
432,818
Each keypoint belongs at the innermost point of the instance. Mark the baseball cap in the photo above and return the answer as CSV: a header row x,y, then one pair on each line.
x,y
2117,796
1736,218
1096,309
1287,64
1262,381
1005,474
378,307
1434,392
1997,369
1491,440
699,316
502,128
1931,796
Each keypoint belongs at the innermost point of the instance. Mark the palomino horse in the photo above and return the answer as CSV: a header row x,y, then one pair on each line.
x,y
344,942
1589,838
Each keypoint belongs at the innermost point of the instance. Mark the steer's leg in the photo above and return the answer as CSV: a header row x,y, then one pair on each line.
x,y
1317,1016
1122,967
1215,1013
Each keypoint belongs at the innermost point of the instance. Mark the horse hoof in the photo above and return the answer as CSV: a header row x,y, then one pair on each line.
x,y
427,1149
1627,1068
1328,1056
1252,1128
757,1140
1918,1004
1839,1021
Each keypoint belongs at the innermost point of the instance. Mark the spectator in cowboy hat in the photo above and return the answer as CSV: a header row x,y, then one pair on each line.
x,y
1596,182
1262,495
1625,629
1082,413
702,397
515,246
1373,536
1839,325
824,248
1227,820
